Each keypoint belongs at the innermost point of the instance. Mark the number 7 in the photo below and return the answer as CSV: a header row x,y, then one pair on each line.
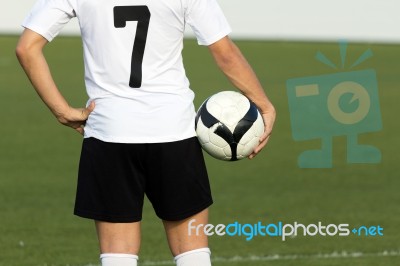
x,y
141,14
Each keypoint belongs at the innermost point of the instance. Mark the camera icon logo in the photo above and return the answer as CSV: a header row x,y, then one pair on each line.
x,y
338,104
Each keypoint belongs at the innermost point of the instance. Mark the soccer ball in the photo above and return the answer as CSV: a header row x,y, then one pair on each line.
x,y
229,126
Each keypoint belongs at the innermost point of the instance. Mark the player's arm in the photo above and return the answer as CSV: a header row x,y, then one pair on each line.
x,y
235,66
29,51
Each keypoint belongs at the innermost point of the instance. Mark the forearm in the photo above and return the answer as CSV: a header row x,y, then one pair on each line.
x,y
233,64
33,62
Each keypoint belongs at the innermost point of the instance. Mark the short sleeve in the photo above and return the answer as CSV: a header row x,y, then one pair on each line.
x,y
48,17
207,21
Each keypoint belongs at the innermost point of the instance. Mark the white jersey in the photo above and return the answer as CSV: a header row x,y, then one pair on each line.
x,y
133,62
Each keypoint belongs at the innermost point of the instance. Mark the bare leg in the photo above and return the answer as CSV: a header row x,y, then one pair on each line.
x,y
119,237
178,236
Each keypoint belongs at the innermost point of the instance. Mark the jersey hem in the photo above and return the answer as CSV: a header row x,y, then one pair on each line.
x,y
158,139
215,38
39,31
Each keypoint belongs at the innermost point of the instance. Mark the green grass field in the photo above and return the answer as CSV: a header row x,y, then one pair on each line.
x,y
39,157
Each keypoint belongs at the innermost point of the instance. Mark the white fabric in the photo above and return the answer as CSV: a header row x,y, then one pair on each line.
x,y
197,257
161,109
114,259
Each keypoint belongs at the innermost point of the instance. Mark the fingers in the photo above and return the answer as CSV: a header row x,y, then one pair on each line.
x,y
269,120
76,117
257,150
80,130
91,106
86,111
85,114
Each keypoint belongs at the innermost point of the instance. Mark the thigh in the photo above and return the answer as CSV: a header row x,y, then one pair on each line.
x,y
178,236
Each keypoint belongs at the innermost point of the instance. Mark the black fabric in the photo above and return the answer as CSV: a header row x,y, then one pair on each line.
x,y
114,177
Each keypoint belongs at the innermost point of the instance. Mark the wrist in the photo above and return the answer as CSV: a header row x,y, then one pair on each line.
x,y
61,112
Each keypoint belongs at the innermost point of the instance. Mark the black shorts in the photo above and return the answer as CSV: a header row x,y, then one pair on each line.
x,y
114,177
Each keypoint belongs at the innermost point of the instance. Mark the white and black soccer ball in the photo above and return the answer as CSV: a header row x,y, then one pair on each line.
x,y
229,126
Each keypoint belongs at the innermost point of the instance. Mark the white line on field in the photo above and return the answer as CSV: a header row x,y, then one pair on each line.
x,y
277,257
333,255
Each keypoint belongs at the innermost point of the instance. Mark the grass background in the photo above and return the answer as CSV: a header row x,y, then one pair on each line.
x,y
39,158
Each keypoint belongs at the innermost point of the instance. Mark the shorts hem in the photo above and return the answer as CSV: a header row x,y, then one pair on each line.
x,y
107,218
186,214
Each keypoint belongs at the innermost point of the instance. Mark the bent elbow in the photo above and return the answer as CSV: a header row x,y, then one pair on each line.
x,y
30,43
23,50
20,51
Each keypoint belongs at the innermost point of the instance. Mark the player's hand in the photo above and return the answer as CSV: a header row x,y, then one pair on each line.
x,y
269,120
76,117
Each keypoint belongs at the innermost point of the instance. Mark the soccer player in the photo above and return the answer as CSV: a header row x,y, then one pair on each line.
x,y
140,108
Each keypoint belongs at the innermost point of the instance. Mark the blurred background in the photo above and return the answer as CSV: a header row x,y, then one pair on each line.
x,y
328,20
281,39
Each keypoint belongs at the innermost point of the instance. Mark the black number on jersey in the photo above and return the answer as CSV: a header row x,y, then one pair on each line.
x,y
141,14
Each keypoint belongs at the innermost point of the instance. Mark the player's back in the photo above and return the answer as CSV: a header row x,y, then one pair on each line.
x,y
132,46
134,69
133,63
